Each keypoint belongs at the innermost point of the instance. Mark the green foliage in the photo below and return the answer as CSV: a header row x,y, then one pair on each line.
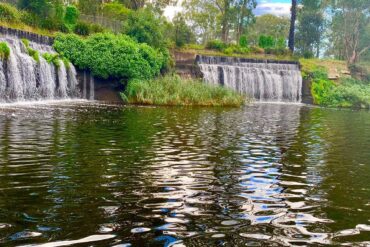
x,y
145,27
182,32
243,41
111,56
9,13
71,15
82,28
216,45
4,50
320,89
270,25
85,29
173,90
115,10
52,58
33,53
266,41
42,8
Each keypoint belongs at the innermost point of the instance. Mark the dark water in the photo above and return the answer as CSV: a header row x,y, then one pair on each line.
x,y
265,175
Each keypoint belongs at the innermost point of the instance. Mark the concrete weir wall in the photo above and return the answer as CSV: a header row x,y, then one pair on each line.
x,y
91,88
187,66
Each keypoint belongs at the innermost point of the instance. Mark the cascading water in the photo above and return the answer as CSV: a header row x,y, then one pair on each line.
x,y
261,80
22,78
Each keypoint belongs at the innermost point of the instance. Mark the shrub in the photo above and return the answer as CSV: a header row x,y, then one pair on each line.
x,y
108,55
145,27
71,15
320,89
9,13
82,28
256,49
243,41
52,58
173,90
4,50
266,41
216,45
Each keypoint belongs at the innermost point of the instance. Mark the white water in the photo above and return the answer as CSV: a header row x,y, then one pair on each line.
x,y
264,82
22,79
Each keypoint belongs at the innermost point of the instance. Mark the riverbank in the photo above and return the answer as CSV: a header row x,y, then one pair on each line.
x,y
174,90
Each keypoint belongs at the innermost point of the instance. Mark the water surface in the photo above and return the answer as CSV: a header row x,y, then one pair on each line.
x,y
263,175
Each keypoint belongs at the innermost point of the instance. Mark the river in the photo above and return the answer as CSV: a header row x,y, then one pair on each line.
x,y
262,175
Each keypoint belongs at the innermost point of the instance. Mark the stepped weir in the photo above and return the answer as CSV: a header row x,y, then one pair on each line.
x,y
263,80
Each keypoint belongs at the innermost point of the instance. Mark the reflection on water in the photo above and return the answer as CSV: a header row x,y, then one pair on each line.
x,y
281,175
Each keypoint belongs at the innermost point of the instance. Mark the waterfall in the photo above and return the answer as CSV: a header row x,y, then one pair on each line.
x,y
22,78
262,80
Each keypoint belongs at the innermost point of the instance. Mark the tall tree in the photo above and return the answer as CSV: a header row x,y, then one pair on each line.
x,y
244,15
230,15
310,27
292,25
350,32
269,25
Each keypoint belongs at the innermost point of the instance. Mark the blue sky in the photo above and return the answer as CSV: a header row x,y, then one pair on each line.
x,y
275,7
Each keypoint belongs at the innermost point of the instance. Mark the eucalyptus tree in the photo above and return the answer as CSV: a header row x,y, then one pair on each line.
x,y
350,31
220,16
310,27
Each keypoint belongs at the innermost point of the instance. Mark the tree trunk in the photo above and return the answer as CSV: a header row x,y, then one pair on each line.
x,y
225,22
292,25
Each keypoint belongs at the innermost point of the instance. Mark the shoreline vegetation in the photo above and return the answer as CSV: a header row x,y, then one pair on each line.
x,y
172,90
136,49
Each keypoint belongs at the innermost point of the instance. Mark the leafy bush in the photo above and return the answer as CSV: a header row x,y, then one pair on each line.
x,y
320,89
108,55
266,41
349,93
115,10
4,50
216,45
71,15
82,28
243,41
173,90
52,58
145,27
9,13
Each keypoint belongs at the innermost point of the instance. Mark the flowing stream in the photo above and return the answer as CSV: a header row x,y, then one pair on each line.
x,y
265,81
22,78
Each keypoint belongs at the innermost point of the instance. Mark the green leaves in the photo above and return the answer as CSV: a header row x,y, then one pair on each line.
x,y
111,56
4,50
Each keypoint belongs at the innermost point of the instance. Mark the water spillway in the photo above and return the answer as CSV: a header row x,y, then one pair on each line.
x,y
22,78
263,80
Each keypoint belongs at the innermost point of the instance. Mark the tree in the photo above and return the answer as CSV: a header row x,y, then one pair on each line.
x,y
90,7
310,27
292,25
230,15
182,32
42,8
269,25
350,29
244,15
145,27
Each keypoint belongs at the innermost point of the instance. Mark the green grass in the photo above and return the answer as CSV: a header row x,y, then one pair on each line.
x,y
4,50
173,90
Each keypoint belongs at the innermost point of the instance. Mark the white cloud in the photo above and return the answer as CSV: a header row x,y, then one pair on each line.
x,y
279,9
